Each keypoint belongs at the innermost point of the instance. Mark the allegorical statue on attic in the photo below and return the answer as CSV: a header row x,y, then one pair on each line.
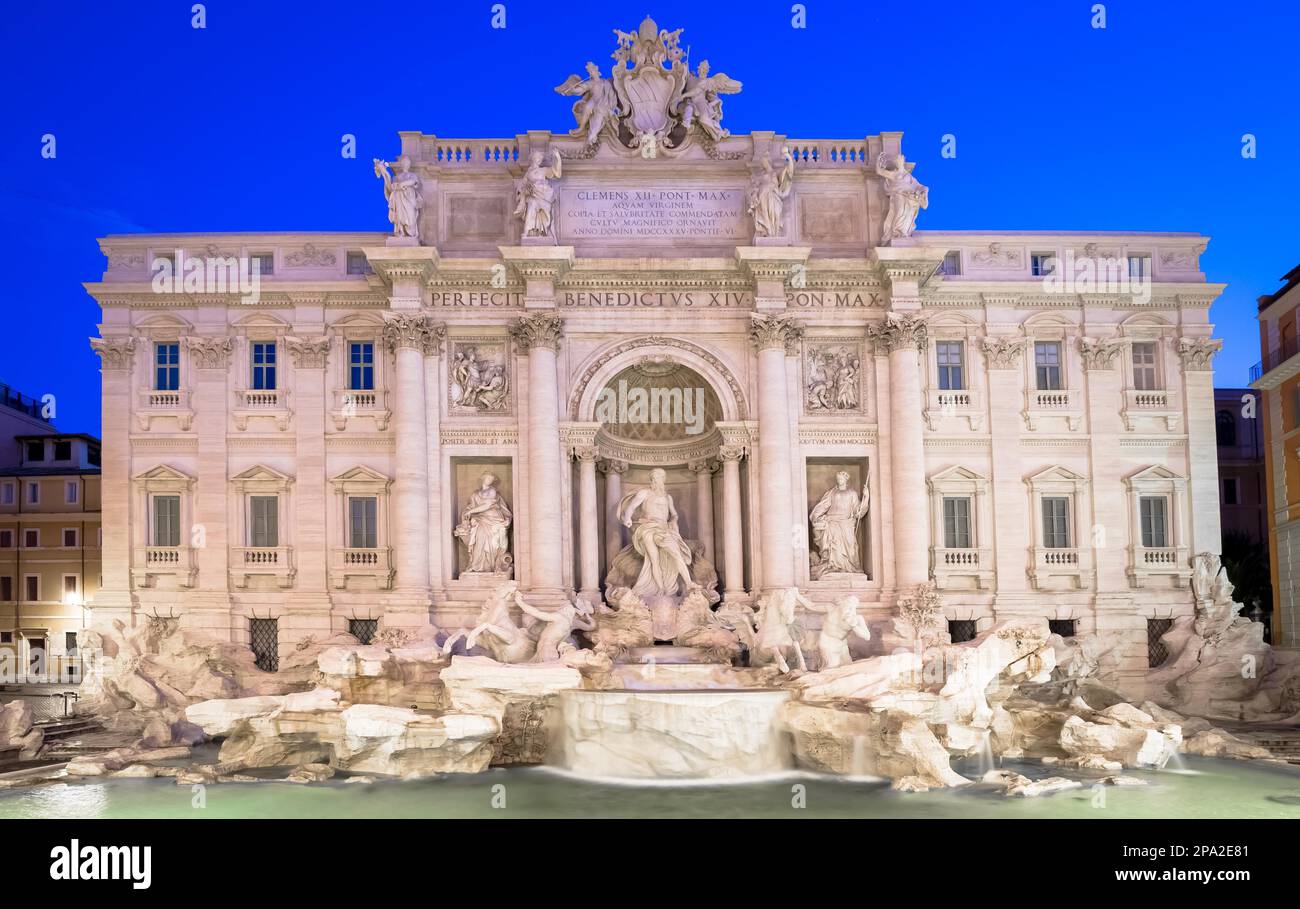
x,y
906,196
404,194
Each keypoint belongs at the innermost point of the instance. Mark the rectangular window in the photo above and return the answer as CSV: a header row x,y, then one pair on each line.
x,y
358,264
6,637
6,588
69,585
1139,266
362,512
1042,264
6,539
1056,522
70,643
1064,627
33,493
167,366
950,359
1047,365
956,523
1155,524
263,522
7,493
63,451
92,454
1231,491
264,638
71,492
363,629
263,354
35,451
361,366
69,538
32,588
32,539
951,263
961,630
263,262
1144,366
166,520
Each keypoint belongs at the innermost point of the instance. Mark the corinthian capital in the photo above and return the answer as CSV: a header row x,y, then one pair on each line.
x,y
543,329
899,331
308,353
1003,353
1198,352
1099,353
777,330
405,330
210,353
114,353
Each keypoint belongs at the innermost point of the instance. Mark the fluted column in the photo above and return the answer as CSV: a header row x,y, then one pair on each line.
x,y
774,337
432,349
540,336
904,337
733,551
588,522
405,335
613,471
704,504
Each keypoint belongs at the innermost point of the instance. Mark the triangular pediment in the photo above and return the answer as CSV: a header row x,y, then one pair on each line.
x,y
1054,474
360,474
957,474
260,472
164,472
1156,472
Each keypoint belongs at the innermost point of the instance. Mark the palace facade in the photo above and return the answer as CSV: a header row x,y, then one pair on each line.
x,y
1031,413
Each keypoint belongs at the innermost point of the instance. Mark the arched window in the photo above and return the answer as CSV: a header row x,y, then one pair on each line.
x,y
1225,427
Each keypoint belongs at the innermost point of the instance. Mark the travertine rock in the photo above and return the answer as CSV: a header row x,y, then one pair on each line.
x,y
1219,744
16,729
520,696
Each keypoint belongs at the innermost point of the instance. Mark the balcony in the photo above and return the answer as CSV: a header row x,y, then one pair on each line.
x,y
959,403
1157,404
1167,562
1059,569
154,405
273,562
1275,358
353,403
961,568
362,568
172,565
1062,403
270,403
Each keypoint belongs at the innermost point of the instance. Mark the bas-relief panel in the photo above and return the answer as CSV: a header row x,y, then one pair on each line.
x,y
479,380
832,377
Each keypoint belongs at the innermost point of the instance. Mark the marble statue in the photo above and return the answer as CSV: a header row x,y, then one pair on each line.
x,y
777,630
840,620
623,627
906,197
405,196
835,520
699,101
1216,610
535,197
557,626
483,528
698,626
666,558
597,106
505,640
767,194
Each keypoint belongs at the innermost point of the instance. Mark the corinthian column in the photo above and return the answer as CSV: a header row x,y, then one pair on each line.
x,y
113,600
733,553
904,337
588,523
432,349
540,335
774,337
704,504
405,335
614,471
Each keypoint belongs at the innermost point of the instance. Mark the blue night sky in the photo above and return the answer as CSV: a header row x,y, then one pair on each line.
x,y
161,127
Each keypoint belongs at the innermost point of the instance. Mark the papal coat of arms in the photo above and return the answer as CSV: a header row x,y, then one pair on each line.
x,y
652,99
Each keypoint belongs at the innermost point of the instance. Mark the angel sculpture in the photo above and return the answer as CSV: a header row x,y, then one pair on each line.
x,y
404,196
767,194
535,197
597,104
699,101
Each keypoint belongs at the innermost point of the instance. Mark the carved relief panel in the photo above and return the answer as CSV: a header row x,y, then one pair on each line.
x,y
833,383
478,374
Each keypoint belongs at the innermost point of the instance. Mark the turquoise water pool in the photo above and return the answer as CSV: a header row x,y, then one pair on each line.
x,y
1207,789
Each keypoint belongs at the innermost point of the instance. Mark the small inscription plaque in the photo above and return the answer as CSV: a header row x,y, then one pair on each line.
x,y
657,213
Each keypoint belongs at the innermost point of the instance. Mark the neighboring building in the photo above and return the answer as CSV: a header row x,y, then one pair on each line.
x,y
1238,424
19,415
1277,376
49,552
298,464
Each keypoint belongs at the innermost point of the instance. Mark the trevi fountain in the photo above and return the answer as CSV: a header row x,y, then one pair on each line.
x,y
648,458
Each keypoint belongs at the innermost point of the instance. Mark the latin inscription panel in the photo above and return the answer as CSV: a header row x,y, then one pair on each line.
x,y
652,214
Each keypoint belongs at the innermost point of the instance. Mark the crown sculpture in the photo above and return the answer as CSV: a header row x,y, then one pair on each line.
x,y
652,99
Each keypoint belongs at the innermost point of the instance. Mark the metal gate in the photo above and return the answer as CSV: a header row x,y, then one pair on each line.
x,y
264,635
961,630
1157,652
363,629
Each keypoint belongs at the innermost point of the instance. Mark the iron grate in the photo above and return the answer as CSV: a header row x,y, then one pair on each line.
x,y
363,629
1064,627
961,630
1157,652
264,635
